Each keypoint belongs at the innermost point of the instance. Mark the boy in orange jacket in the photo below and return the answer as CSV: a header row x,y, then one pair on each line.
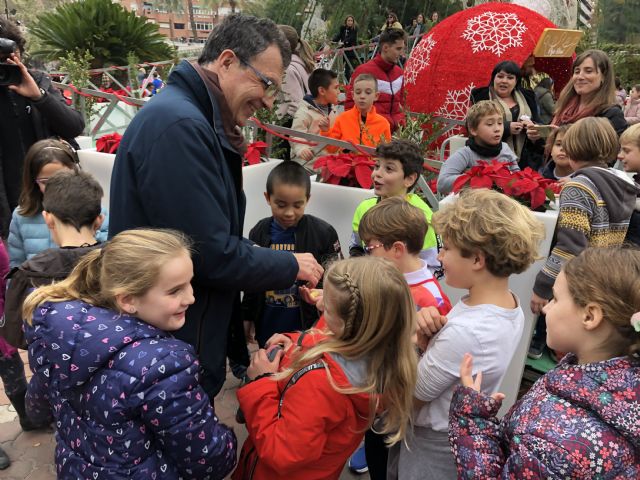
x,y
361,124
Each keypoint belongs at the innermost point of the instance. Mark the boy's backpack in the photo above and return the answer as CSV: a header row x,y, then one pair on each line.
x,y
47,267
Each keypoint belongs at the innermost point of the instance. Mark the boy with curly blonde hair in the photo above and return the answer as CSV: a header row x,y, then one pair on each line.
x,y
487,237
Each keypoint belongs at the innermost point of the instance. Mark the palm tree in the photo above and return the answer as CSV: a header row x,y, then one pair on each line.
x,y
104,29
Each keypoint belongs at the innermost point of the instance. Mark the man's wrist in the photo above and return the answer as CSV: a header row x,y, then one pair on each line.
x,y
42,93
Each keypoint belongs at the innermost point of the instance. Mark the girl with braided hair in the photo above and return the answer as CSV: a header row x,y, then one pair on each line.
x,y
307,408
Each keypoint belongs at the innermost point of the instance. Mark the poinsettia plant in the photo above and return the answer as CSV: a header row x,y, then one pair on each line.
x,y
108,143
526,186
350,169
255,151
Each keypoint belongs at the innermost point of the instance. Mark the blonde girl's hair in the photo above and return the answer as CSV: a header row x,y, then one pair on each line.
x,y
609,277
604,97
551,139
490,222
592,140
373,299
129,263
631,135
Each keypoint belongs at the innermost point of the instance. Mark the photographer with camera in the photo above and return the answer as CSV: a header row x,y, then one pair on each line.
x,y
31,109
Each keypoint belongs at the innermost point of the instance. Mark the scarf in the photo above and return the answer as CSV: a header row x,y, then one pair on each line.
x,y
572,113
486,151
232,132
516,142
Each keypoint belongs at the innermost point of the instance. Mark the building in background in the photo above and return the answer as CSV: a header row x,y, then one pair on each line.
x,y
174,21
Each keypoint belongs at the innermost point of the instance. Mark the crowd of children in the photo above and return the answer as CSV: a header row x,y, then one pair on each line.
x,y
375,361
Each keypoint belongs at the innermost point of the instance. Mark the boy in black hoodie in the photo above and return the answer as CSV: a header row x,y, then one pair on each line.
x,y
288,191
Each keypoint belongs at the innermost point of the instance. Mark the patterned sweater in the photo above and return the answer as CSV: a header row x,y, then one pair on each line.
x,y
576,422
595,208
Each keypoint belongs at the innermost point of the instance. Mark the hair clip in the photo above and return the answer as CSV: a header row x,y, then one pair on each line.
x,y
635,321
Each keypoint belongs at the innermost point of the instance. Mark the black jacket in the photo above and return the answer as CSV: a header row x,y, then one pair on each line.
x,y
615,115
47,117
314,236
175,168
347,35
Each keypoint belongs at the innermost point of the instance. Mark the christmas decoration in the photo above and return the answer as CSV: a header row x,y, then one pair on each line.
x,y
460,52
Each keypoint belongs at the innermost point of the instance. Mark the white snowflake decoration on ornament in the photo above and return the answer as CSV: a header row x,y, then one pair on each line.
x,y
455,106
419,60
494,32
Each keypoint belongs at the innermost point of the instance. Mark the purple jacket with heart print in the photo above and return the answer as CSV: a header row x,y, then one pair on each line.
x,y
125,398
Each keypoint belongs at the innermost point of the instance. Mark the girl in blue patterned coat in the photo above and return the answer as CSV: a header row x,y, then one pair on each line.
x,y
582,419
123,392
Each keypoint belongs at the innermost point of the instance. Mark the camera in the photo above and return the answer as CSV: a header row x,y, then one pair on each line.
x,y
9,74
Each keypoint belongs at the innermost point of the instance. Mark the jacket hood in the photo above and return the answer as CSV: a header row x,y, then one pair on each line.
x,y
56,262
610,390
616,188
81,339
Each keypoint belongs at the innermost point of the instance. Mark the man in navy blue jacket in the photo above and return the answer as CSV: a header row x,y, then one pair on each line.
x,y
179,166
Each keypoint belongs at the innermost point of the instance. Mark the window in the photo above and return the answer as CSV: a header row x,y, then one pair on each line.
x,y
204,26
164,25
178,26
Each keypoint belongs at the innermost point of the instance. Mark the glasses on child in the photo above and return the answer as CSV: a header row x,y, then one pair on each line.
x,y
369,248
42,181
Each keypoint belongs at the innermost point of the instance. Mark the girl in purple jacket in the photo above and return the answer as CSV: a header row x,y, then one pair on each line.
x,y
582,419
123,392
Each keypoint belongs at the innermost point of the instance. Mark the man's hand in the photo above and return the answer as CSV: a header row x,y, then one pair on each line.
x,y
537,303
28,87
308,269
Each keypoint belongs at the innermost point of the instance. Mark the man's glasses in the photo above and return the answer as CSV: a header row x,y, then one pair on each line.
x,y
270,87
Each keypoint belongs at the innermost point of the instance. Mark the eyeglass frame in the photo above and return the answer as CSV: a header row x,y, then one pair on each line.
x,y
368,249
271,88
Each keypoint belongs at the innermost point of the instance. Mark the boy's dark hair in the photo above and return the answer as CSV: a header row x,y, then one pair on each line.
x,y
74,198
320,78
10,30
289,173
392,35
407,153
395,220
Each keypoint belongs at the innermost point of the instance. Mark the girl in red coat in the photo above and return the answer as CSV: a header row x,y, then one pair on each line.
x,y
305,420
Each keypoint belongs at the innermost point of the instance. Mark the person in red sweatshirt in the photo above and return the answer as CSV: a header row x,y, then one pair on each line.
x,y
307,409
384,67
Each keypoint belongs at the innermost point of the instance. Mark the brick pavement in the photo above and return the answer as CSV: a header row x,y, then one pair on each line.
x,y
31,453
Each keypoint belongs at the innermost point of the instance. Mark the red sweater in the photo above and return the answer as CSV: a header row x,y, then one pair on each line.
x,y
390,86
316,431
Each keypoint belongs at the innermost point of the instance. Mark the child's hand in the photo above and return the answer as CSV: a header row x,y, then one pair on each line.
x,y
306,154
467,380
279,339
324,124
260,364
313,296
537,303
430,322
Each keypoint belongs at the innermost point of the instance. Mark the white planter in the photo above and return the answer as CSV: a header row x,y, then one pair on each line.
x,y
99,165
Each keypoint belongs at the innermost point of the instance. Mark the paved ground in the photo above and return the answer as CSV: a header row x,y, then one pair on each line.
x,y
32,452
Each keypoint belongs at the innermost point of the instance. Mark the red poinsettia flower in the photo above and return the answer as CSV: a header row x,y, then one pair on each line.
x,y
533,187
255,151
108,143
352,169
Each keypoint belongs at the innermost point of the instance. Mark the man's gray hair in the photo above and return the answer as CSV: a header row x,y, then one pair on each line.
x,y
247,36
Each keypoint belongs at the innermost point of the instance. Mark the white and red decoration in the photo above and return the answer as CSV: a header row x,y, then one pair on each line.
x,y
460,52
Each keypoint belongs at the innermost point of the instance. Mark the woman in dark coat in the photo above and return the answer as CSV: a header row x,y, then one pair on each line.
x,y
520,107
348,36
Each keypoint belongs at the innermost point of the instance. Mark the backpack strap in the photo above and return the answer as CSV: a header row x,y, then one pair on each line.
x,y
295,377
